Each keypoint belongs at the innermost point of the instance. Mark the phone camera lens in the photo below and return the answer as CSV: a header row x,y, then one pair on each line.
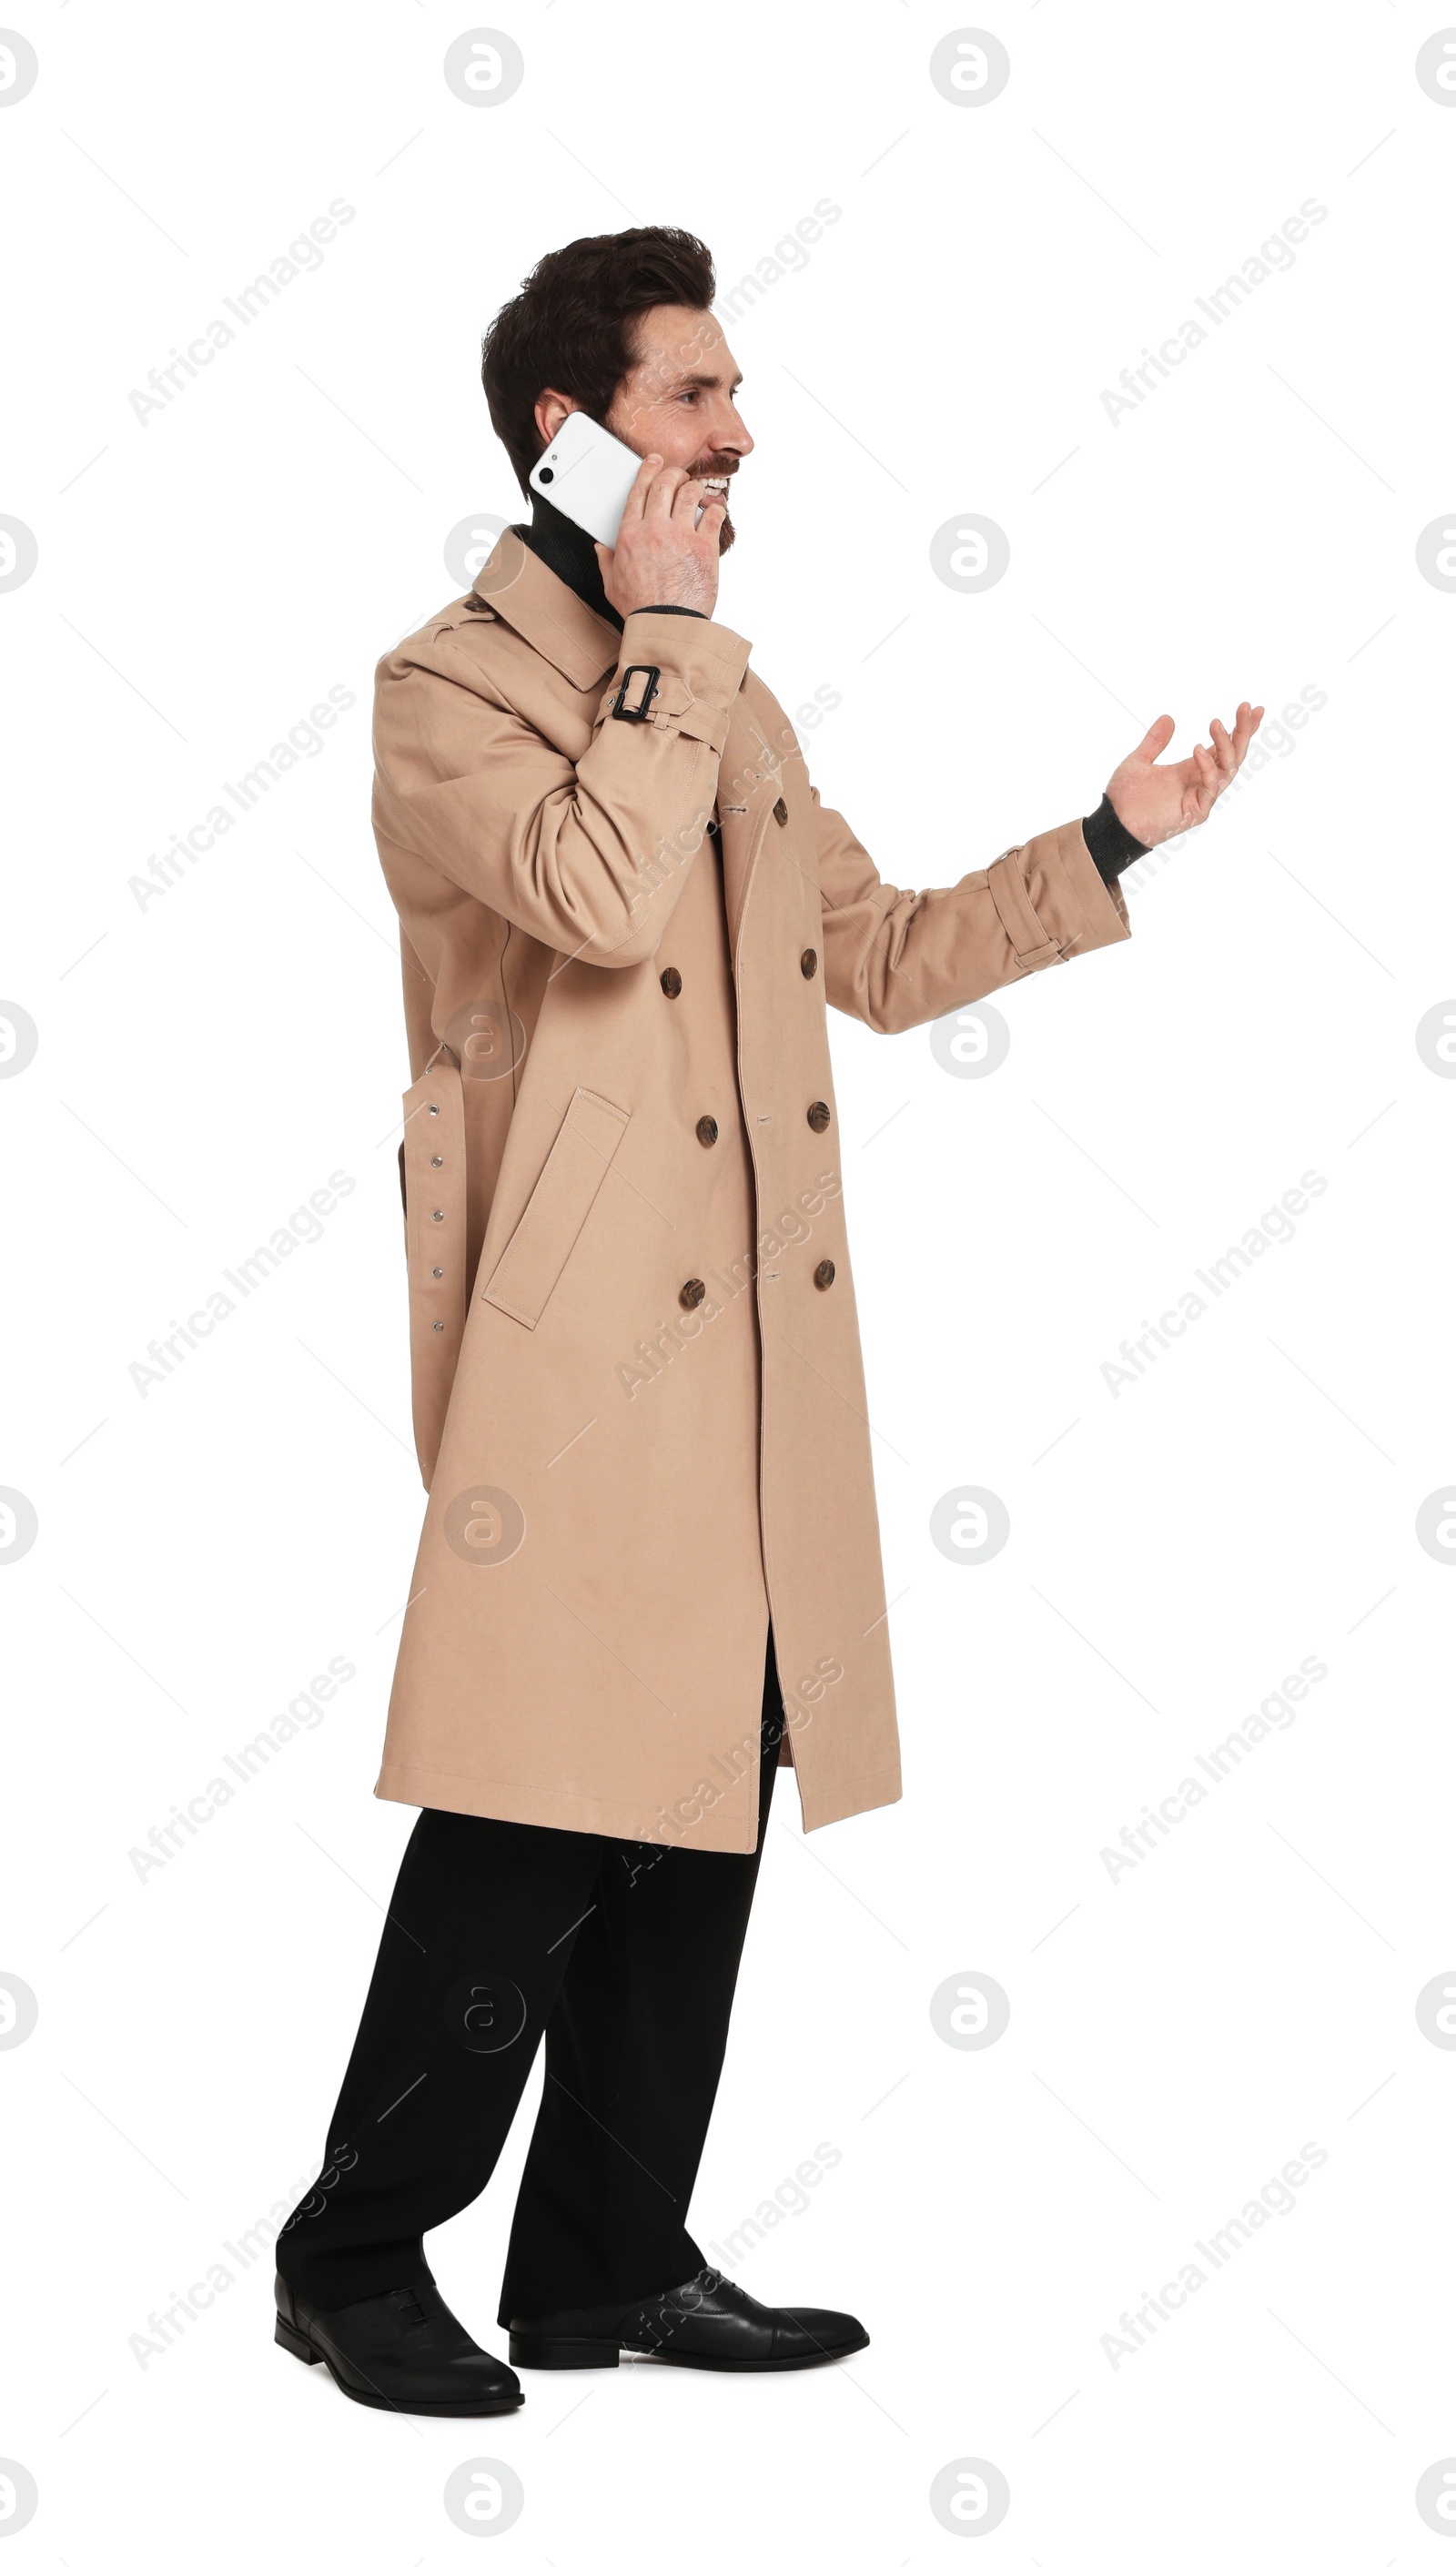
x,y
545,473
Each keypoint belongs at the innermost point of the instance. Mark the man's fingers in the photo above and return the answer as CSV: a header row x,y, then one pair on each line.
x,y
666,484
637,495
694,496
688,499
1154,741
1232,752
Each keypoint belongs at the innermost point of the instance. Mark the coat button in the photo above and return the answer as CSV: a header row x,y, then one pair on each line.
x,y
436,1272
672,981
824,1275
439,1327
437,1216
437,1161
706,1130
780,812
808,962
818,1118
693,1291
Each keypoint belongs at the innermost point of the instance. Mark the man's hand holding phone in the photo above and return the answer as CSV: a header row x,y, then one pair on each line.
x,y
663,555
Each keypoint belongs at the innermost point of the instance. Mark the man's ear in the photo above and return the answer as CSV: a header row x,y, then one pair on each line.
x,y
551,409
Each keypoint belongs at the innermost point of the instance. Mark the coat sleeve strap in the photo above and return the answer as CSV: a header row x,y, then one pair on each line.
x,y
1029,940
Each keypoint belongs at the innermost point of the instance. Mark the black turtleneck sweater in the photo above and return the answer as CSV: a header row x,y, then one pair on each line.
x,y
570,553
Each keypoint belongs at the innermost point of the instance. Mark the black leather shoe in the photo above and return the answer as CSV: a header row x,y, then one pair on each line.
x,y
707,2324
404,2350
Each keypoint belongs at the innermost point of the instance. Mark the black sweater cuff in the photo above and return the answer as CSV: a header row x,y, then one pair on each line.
x,y
1111,848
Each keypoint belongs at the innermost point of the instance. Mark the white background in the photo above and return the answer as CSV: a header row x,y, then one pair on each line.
x,y
206,1062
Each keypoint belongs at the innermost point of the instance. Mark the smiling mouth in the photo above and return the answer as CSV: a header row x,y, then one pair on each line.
x,y
715,485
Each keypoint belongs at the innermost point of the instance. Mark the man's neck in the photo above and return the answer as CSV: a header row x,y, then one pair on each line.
x,y
565,549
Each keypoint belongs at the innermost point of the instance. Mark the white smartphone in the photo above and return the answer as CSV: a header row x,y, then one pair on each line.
x,y
587,473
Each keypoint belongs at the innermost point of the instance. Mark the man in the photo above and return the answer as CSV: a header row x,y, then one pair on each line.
x,y
650,1564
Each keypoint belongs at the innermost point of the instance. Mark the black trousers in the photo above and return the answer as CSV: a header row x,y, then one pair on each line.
x,y
625,1957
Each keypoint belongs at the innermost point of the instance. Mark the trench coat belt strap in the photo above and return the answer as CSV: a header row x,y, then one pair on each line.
x,y
1029,940
435,1130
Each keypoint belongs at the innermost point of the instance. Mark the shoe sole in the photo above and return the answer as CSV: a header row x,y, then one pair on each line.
x,y
302,2351
583,2354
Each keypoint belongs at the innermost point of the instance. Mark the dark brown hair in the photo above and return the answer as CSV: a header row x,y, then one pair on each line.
x,y
570,327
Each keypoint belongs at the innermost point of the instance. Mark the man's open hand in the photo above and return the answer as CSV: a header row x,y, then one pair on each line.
x,y
1157,802
663,557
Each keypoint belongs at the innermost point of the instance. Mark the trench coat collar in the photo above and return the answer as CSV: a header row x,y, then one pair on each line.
x,y
546,613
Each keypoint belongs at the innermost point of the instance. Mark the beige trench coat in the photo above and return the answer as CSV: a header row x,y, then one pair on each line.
x,y
639,1403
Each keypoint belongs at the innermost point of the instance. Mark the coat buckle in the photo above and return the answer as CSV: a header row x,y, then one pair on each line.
x,y
621,709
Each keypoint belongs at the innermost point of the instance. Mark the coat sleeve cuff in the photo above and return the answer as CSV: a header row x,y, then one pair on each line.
x,y
700,666
1052,901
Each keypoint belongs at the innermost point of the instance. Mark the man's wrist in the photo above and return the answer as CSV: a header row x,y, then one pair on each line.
x,y
673,610
1111,848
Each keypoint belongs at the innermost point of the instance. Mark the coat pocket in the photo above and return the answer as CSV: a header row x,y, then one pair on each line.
x,y
530,1266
